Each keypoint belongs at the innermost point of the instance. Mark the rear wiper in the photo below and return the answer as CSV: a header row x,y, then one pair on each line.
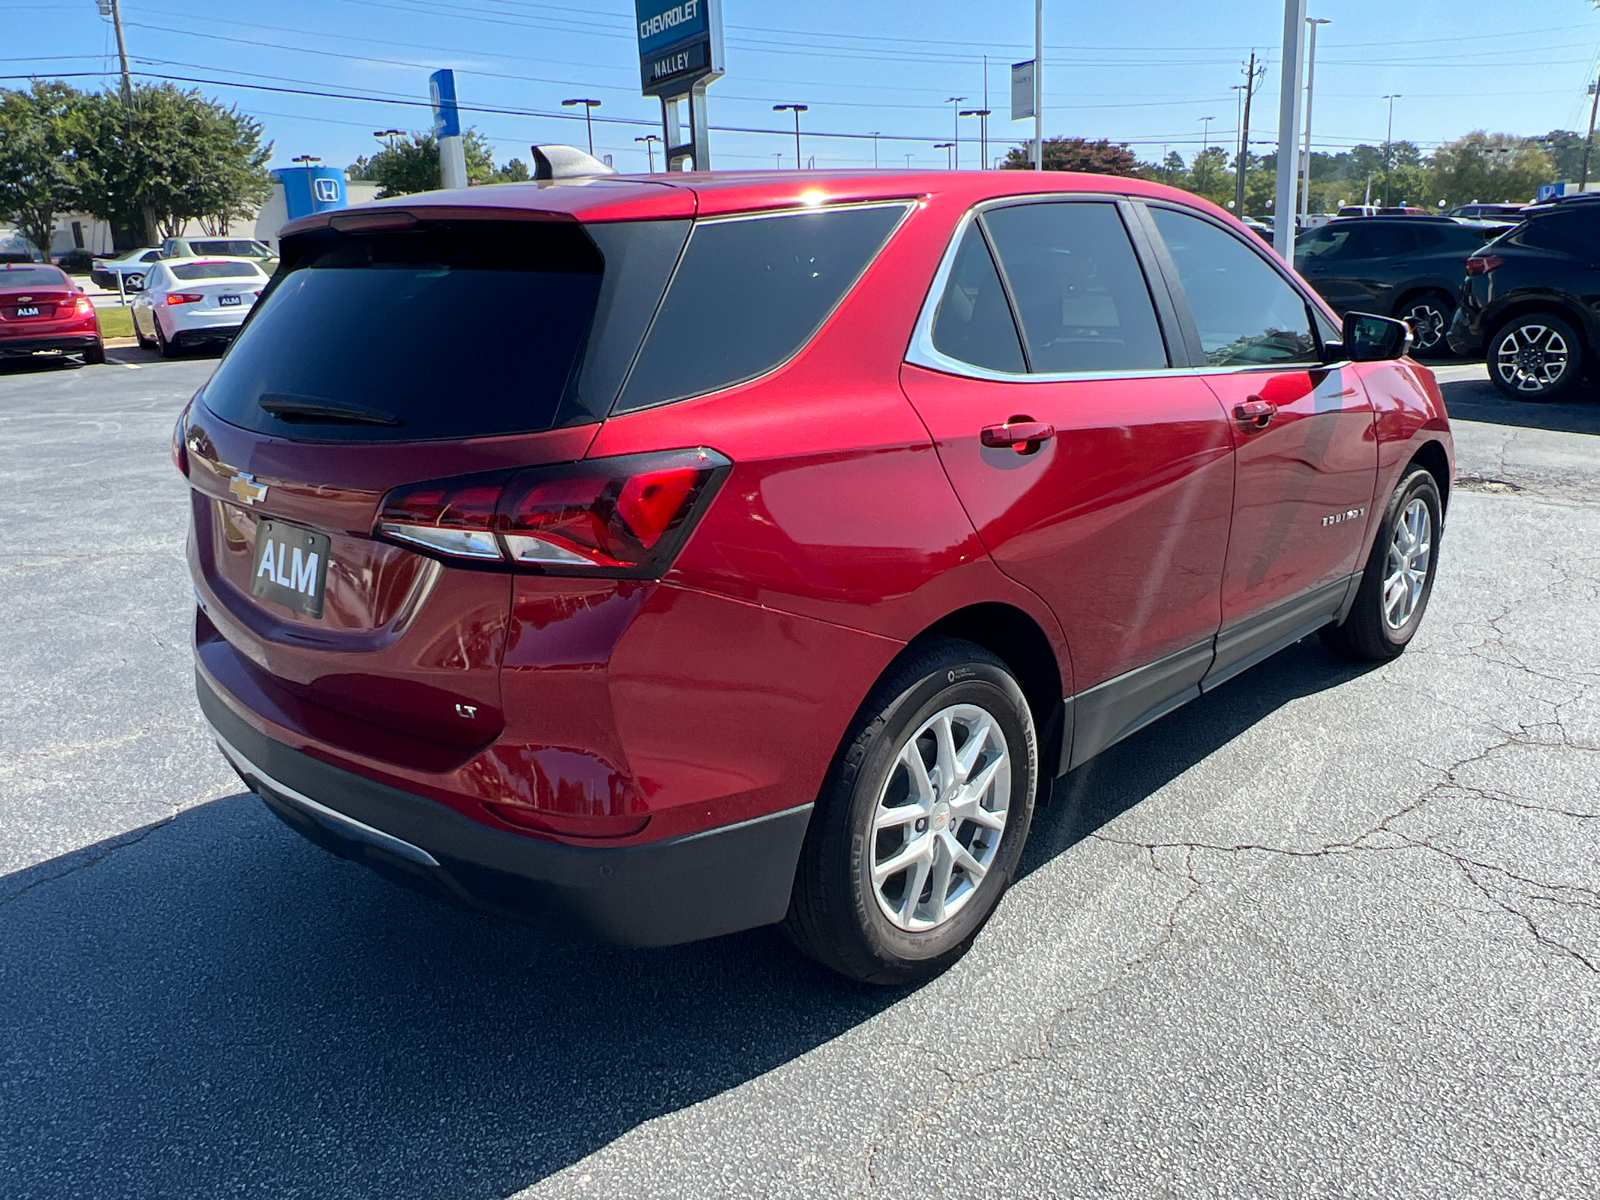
x,y
310,408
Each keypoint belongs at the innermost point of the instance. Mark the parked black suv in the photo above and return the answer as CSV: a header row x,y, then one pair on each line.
x,y
1406,267
1531,302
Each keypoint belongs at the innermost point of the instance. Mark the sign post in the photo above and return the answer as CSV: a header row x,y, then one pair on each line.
x,y
447,129
680,52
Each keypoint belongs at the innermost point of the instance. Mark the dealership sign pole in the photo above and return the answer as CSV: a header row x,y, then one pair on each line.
x,y
680,52
447,129
1284,206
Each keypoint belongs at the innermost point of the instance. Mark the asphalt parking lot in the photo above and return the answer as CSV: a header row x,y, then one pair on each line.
x,y
1329,930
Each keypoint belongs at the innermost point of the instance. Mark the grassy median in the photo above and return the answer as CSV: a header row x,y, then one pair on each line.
x,y
115,321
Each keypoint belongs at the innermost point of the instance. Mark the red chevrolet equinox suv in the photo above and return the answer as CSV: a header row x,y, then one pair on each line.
x,y
685,555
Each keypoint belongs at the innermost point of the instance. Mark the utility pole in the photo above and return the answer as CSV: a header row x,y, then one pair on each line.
x,y
1283,205
797,109
1311,74
1252,80
113,9
1038,85
956,102
1388,147
1583,177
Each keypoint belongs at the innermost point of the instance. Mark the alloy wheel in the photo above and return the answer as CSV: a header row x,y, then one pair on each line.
x,y
1531,358
940,815
1427,321
1410,552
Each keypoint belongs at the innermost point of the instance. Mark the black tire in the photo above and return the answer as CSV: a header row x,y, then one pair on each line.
x,y
1429,315
835,913
1367,633
165,348
1519,355
95,355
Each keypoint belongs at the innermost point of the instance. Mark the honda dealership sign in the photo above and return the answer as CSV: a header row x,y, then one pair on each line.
x,y
680,44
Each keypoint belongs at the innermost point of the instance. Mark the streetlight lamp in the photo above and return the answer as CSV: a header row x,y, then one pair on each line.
x,y
957,101
875,136
946,147
983,134
1311,73
797,109
588,107
1388,146
650,140
1205,145
306,158
391,134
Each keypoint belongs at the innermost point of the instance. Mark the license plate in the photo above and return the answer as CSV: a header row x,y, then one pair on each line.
x,y
28,310
291,566
226,301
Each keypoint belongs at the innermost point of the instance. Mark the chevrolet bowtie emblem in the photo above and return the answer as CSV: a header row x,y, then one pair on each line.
x,y
246,488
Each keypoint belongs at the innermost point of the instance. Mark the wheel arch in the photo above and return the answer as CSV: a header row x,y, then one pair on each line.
x,y
1014,637
1431,455
1417,290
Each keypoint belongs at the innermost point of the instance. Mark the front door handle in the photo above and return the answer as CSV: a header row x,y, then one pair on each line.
x,y
1023,434
1255,413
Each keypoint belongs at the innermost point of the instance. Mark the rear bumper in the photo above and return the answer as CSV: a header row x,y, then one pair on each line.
x,y
1463,338
68,343
655,894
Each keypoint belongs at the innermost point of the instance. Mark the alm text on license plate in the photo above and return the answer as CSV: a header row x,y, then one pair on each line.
x,y
291,566
227,301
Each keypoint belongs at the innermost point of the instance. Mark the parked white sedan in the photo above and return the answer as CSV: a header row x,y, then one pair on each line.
x,y
187,301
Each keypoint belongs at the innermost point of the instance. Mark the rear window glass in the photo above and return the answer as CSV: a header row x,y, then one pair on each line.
x,y
451,330
242,249
1081,298
748,294
230,270
27,277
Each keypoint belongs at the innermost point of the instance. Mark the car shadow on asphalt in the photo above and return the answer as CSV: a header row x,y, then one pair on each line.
x,y
1111,783
1479,400
211,1005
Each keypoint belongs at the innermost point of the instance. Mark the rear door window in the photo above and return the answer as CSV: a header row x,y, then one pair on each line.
x,y
450,330
1246,313
749,293
974,322
1080,295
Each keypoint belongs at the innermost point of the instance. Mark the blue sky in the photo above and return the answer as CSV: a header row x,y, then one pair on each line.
x,y
1142,71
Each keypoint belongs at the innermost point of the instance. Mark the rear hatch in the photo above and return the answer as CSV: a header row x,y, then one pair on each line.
x,y
31,296
391,360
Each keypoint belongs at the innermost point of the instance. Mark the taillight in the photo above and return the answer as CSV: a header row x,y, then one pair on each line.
x,y
184,297
180,455
83,307
625,516
1482,264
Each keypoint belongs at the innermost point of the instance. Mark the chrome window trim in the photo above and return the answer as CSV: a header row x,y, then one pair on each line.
x,y
923,353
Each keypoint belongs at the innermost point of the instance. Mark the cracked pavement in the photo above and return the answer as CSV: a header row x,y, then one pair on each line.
x,y
1329,930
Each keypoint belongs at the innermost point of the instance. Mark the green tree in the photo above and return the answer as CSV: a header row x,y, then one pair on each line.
x,y
40,173
1076,154
412,165
171,157
1491,167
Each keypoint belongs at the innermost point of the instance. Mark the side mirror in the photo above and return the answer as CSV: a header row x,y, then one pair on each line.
x,y
1369,338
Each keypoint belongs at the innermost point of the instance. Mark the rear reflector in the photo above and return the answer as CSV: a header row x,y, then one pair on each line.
x,y
621,517
1482,264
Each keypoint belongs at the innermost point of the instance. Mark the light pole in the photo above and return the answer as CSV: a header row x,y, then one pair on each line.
x,y
391,134
1388,147
957,102
983,134
650,140
1205,146
908,160
588,107
1311,74
797,109
1583,176
946,147
875,136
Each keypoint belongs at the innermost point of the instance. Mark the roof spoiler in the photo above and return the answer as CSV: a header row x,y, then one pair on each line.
x,y
556,161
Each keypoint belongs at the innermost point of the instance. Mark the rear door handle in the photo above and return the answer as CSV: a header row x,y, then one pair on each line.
x,y
1255,413
1022,433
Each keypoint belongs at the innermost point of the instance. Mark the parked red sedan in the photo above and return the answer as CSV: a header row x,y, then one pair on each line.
x,y
42,309
694,554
